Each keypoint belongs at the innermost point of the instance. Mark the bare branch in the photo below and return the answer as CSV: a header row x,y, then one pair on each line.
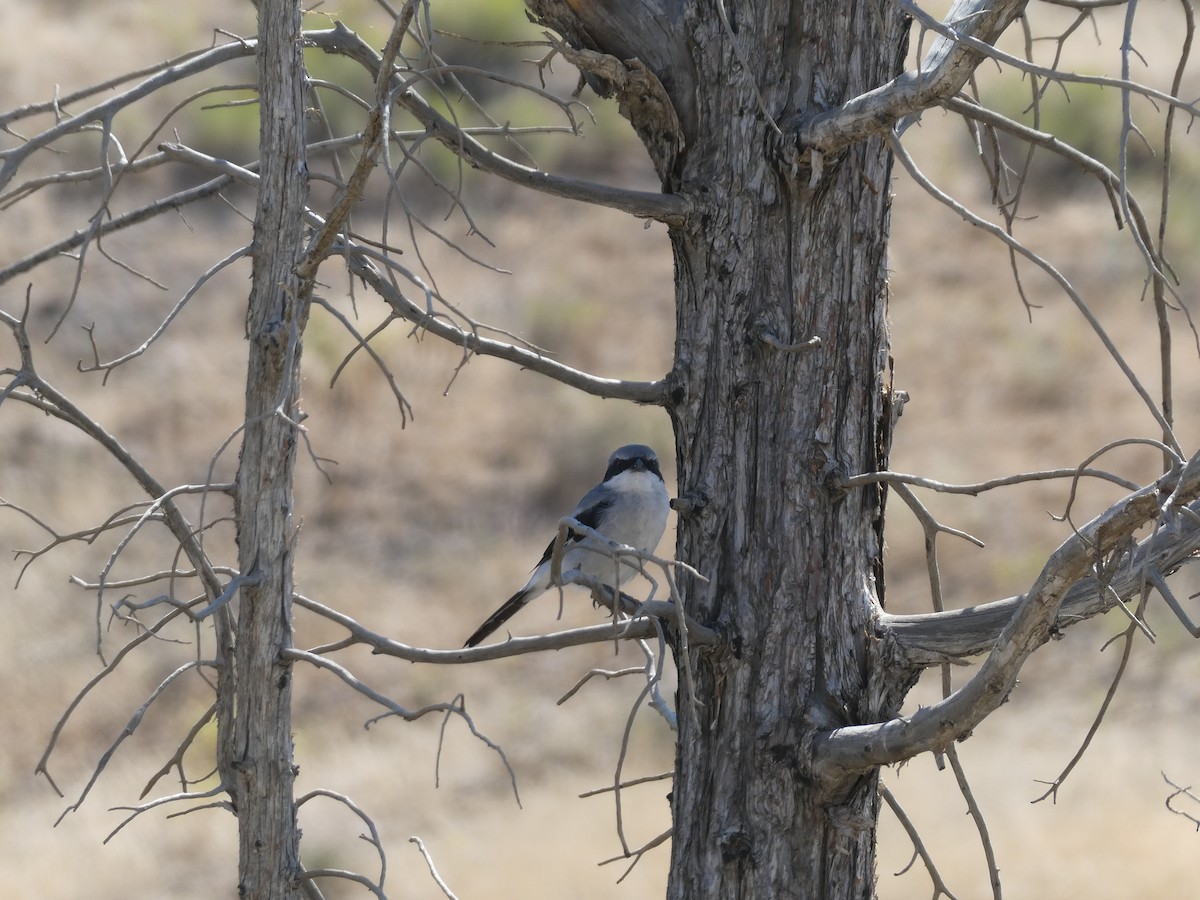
x,y
1126,653
161,75
32,186
910,166
148,578
606,674
1032,620
471,342
432,868
41,767
204,278
393,708
144,213
1160,284
518,646
1160,584
1179,791
312,874
632,782
939,886
129,729
941,74
118,519
933,638
638,853
151,513
406,410
650,689
638,391
135,811
964,41
668,208
321,242
371,838
989,852
932,528
176,760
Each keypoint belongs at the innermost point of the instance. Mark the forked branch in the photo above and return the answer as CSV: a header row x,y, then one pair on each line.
x,y
1096,550
942,73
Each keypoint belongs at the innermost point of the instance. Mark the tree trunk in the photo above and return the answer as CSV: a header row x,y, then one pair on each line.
x,y
262,762
763,435
776,251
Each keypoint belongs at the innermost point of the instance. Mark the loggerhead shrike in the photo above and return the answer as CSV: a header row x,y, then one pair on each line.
x,y
629,507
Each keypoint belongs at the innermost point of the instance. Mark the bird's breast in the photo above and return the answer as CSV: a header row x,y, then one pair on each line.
x,y
639,516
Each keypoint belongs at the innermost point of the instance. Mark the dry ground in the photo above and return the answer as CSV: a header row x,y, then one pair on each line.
x,y
420,531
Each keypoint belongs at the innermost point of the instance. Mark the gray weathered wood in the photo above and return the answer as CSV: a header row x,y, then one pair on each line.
x,y
762,434
765,424
262,751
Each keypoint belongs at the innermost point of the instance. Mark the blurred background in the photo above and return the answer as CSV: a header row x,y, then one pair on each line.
x,y
420,528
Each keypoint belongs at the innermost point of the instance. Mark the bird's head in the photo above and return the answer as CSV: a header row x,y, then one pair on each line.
x,y
633,457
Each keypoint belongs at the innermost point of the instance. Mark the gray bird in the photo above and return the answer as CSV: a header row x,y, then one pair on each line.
x,y
629,506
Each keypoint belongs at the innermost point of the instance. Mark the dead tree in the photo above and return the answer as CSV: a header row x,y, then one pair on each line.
x,y
773,130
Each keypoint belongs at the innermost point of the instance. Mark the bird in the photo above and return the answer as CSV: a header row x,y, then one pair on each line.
x,y
628,506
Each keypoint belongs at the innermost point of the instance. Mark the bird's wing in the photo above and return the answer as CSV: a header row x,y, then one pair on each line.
x,y
587,512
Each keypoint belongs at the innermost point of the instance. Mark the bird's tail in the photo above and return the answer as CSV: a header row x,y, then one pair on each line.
x,y
510,608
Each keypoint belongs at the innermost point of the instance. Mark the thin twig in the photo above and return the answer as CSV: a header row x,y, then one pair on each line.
x,y
135,811
1127,637
985,840
1180,791
939,885
395,709
129,729
911,167
438,880
372,836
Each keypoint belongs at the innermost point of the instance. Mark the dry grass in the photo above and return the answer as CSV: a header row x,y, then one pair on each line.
x,y
479,477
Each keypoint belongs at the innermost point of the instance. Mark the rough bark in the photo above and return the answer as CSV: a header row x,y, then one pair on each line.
x,y
763,435
261,748
771,256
